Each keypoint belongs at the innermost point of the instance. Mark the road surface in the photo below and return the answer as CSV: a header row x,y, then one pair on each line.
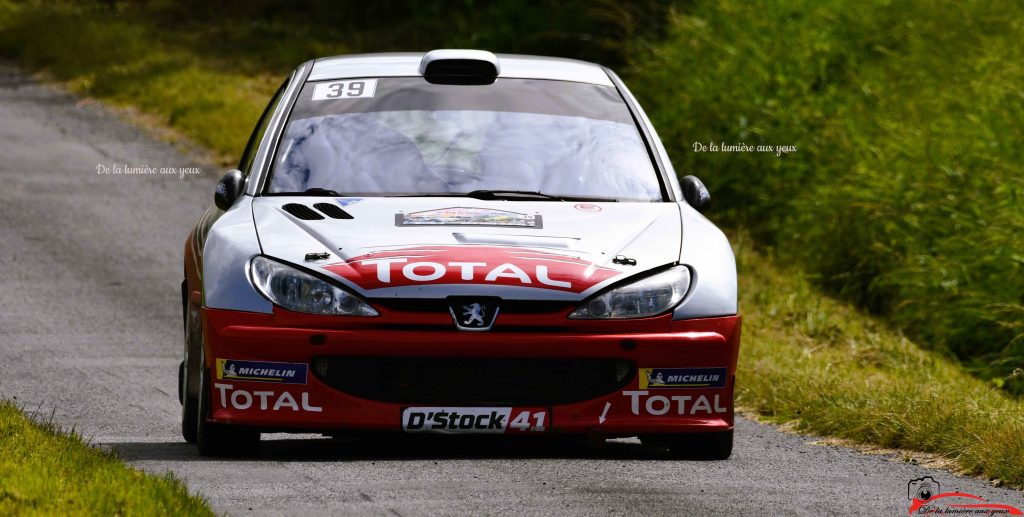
x,y
90,327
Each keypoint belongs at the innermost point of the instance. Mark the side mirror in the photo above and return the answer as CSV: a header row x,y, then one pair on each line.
x,y
229,189
695,193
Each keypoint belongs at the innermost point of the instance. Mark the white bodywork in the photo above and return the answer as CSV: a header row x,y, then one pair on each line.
x,y
655,235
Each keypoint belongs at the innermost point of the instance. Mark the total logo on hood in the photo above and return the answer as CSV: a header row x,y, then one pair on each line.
x,y
497,265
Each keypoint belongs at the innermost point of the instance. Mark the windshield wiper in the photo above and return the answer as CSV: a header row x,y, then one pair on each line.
x,y
314,191
527,195
490,195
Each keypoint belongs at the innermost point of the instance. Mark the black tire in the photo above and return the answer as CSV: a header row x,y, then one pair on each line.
x,y
189,406
214,439
189,403
694,446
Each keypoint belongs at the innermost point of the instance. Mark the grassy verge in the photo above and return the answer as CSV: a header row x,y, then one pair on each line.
x,y
44,470
906,193
820,363
806,358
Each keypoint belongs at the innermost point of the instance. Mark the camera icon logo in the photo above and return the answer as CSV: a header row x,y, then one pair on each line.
x,y
922,489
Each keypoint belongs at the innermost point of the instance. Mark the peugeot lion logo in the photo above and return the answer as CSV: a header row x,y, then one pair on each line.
x,y
474,311
473,315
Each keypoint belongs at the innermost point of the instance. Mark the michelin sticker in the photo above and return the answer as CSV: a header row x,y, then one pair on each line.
x,y
466,216
653,378
262,371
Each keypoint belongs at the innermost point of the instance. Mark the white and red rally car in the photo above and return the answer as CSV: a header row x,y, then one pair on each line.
x,y
458,242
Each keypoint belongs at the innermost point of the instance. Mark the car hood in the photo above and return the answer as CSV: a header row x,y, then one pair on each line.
x,y
432,247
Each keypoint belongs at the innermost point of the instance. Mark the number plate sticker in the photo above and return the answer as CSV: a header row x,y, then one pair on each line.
x,y
475,420
350,89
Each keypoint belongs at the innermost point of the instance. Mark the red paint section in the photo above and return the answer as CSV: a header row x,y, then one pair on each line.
x,y
286,337
487,265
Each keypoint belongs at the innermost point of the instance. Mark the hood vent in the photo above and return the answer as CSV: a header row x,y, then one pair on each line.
x,y
333,211
302,212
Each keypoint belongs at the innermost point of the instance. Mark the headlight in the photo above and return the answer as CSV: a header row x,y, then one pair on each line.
x,y
301,292
645,297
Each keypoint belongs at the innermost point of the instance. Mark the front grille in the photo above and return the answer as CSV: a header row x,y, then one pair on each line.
x,y
466,381
441,305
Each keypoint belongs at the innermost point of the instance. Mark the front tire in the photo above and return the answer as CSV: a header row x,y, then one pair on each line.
x,y
189,405
189,402
214,439
694,446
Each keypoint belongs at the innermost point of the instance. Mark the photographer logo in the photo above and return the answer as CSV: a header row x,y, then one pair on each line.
x,y
926,498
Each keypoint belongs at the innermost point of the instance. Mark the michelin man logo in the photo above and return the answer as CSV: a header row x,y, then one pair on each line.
x,y
655,379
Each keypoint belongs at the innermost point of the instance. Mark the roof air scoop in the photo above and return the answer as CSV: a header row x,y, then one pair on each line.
x,y
458,66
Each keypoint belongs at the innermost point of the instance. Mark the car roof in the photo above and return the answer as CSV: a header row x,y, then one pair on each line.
x,y
408,64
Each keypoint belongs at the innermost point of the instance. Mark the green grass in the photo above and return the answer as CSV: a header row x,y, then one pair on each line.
x,y
820,363
906,195
46,471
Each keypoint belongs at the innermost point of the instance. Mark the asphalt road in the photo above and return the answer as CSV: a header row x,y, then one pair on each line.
x,y
90,329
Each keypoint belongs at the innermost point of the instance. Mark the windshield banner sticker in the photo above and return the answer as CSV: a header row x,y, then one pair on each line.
x,y
465,216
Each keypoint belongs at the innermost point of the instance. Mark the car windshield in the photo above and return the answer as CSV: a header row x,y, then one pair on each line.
x,y
405,136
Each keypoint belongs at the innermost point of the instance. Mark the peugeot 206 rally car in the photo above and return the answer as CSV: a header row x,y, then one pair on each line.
x,y
458,242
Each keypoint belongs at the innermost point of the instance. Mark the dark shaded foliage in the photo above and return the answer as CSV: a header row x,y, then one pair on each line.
x,y
590,30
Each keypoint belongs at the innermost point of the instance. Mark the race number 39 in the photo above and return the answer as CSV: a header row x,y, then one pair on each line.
x,y
352,89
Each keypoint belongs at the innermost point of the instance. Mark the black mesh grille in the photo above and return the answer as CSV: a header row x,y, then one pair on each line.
x,y
302,212
441,305
474,381
333,211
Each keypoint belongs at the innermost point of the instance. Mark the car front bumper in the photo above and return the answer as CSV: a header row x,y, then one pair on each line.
x,y
265,373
